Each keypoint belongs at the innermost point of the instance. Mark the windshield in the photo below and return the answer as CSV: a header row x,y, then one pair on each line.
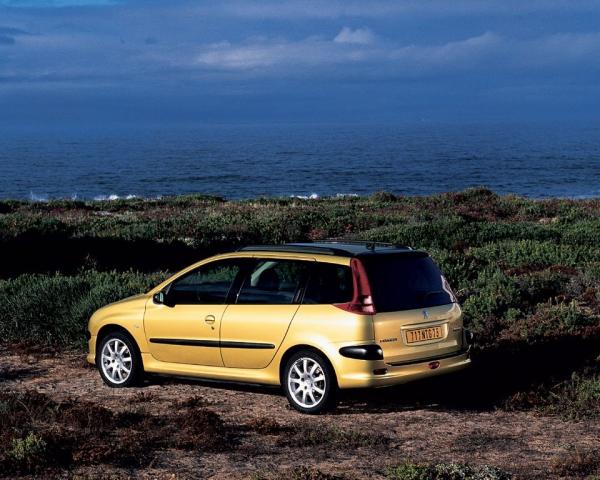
x,y
406,282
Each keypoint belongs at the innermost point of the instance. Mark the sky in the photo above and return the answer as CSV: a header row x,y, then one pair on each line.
x,y
98,62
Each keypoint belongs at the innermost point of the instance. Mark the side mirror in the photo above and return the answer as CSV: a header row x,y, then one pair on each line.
x,y
162,298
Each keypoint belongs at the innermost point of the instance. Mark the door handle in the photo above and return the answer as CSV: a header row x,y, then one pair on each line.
x,y
210,319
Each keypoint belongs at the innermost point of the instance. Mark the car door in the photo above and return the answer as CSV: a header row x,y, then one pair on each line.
x,y
253,328
185,328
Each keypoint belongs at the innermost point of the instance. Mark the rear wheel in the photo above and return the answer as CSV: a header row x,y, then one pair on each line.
x,y
118,361
309,382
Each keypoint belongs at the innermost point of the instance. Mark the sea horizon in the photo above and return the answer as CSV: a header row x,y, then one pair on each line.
x,y
244,161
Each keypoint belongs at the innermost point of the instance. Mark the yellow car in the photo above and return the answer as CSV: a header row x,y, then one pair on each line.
x,y
311,317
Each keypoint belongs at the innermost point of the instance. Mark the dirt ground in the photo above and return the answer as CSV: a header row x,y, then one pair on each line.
x,y
271,440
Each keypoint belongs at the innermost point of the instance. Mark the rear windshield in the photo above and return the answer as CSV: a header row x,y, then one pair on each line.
x,y
406,282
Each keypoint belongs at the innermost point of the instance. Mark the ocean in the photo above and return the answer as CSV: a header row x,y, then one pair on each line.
x,y
311,161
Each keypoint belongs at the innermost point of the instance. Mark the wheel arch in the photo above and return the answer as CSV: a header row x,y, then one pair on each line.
x,y
112,328
297,348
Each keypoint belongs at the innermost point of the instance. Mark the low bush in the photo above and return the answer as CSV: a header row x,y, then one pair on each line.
x,y
27,452
577,463
446,471
527,272
39,435
554,231
299,473
533,253
575,398
550,321
53,310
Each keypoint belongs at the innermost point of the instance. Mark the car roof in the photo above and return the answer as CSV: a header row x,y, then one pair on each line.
x,y
337,248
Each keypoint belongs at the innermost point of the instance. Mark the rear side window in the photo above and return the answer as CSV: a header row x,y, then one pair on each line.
x,y
329,283
275,282
406,282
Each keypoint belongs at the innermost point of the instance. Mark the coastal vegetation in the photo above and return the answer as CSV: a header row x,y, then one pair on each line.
x,y
527,273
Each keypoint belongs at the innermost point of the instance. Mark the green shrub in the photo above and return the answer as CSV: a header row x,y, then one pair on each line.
x,y
493,295
534,253
576,398
54,310
591,274
580,232
15,225
577,463
27,452
446,471
551,321
525,270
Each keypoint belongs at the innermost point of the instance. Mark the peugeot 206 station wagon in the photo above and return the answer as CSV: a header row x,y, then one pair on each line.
x,y
312,317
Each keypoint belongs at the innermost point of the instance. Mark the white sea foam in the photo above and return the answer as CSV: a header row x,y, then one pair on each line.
x,y
113,197
34,197
316,196
312,196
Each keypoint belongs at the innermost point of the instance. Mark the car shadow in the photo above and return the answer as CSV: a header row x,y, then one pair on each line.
x,y
155,379
492,379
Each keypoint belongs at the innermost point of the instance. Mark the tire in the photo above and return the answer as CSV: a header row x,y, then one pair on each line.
x,y
118,361
309,382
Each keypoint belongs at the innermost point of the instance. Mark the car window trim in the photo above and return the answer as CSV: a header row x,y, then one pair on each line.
x,y
238,282
301,287
240,261
314,269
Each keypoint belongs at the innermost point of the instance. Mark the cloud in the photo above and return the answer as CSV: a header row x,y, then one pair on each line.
x,y
473,51
268,54
12,31
564,48
351,47
153,43
6,40
482,53
360,36
8,35
296,9
55,3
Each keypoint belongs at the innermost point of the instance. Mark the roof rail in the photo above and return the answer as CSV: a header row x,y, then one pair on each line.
x,y
296,249
371,245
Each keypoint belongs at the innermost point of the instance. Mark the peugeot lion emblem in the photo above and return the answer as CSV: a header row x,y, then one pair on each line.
x,y
425,315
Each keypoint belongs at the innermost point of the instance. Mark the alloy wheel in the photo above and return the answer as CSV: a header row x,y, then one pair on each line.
x,y
307,382
117,361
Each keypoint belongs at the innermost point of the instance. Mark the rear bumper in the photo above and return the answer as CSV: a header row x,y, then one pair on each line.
x,y
364,377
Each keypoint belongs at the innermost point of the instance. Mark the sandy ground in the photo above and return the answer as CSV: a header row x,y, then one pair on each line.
x,y
428,431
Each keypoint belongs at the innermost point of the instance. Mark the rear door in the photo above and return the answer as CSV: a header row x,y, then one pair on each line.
x,y
417,314
253,328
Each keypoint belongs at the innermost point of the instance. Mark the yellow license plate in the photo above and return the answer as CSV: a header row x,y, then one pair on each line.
x,y
423,334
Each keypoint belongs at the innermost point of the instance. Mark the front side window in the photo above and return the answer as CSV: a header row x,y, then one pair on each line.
x,y
328,284
275,282
207,285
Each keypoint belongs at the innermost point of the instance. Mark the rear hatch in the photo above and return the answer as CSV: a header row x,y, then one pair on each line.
x,y
417,314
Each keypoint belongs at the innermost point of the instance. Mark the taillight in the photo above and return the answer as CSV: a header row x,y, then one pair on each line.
x,y
362,301
446,286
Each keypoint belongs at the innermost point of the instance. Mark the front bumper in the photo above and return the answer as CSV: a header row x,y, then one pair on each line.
x,y
91,356
363,376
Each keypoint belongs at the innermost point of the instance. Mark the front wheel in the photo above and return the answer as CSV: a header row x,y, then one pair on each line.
x,y
118,361
309,382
